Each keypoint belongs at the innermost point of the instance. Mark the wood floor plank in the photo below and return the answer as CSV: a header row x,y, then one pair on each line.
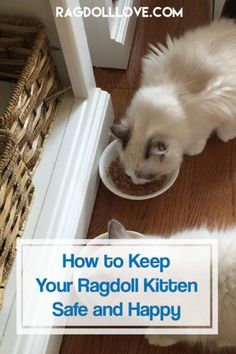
x,y
204,193
135,344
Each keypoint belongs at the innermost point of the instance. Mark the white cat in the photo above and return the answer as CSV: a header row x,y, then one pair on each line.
x,y
227,287
188,90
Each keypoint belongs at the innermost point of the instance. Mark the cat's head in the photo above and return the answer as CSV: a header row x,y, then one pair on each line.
x,y
117,231
151,135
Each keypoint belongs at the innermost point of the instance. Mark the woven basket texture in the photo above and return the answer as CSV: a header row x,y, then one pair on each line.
x,y
26,61
16,195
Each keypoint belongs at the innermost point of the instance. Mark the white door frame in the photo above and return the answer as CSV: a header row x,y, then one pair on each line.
x,y
74,45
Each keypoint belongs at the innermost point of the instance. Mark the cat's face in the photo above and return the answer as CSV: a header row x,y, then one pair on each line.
x,y
146,160
149,136
149,160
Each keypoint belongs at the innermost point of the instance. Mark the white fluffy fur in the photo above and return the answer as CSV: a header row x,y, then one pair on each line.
x,y
188,90
227,288
227,293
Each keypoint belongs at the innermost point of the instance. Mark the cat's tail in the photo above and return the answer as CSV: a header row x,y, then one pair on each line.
x,y
229,9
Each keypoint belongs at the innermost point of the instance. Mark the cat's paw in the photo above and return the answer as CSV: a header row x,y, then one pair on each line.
x,y
162,341
196,149
225,133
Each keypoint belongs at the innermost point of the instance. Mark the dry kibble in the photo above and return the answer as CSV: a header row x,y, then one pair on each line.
x,y
124,183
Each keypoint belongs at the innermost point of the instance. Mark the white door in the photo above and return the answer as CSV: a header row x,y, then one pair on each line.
x,y
218,5
110,39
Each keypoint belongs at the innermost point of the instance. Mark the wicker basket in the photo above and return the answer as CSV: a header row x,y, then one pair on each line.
x,y
26,61
16,194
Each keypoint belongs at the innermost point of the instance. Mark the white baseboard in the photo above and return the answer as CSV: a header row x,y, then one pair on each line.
x,y
66,184
72,188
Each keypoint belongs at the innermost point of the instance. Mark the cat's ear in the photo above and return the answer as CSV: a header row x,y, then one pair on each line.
x,y
121,132
157,147
116,230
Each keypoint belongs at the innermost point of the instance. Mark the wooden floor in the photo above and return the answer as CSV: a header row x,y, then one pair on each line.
x,y
205,192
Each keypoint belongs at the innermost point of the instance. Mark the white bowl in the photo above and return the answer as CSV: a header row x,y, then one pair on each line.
x,y
110,154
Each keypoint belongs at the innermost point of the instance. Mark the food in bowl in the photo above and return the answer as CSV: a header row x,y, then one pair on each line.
x,y
124,183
